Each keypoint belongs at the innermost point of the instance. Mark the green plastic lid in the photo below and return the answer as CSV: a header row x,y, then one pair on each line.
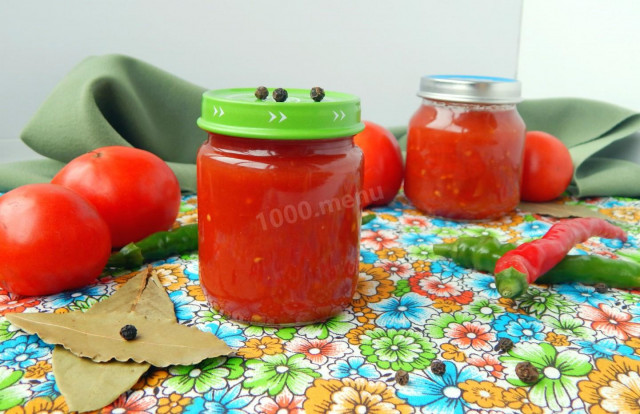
x,y
237,112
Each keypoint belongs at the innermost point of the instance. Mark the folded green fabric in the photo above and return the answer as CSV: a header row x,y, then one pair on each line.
x,y
119,100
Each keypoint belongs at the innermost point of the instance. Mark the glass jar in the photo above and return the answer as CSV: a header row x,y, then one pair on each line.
x,y
278,205
465,147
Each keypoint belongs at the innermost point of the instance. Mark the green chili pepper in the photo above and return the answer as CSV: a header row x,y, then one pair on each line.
x,y
157,246
368,218
482,253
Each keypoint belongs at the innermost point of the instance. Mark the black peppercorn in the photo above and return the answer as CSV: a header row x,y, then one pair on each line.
x,y
527,372
128,332
438,367
317,93
262,93
402,377
280,95
601,287
504,345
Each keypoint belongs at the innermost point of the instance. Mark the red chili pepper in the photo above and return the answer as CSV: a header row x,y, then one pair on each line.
x,y
523,265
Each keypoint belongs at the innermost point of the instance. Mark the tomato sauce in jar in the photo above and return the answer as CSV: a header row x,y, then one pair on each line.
x,y
465,148
278,205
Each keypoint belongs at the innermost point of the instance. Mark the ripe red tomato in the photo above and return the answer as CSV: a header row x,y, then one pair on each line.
x,y
134,190
52,240
383,166
547,169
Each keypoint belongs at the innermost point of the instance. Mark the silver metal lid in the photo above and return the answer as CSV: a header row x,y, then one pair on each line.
x,y
473,89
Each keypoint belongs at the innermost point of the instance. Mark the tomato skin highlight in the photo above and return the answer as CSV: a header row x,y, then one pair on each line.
x,y
383,165
547,167
52,240
134,190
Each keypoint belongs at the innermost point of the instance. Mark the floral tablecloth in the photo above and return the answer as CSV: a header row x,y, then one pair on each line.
x,y
411,308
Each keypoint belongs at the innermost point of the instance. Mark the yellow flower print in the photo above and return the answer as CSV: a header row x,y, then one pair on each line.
x,y
196,292
61,310
353,396
556,339
452,352
626,213
518,399
152,378
421,266
510,306
42,405
171,275
373,285
614,386
38,370
364,315
172,404
353,336
257,347
393,253
388,217
486,394
446,305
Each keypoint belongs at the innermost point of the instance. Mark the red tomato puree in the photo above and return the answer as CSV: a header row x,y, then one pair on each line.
x,y
279,227
464,160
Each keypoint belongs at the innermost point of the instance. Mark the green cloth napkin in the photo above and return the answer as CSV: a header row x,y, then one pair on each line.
x,y
119,100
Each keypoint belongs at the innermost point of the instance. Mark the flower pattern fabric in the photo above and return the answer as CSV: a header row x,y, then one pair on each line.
x,y
411,308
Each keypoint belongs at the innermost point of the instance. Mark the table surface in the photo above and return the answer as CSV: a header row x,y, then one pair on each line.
x,y
411,308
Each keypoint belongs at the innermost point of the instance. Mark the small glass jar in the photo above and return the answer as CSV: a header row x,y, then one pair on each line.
x,y
465,147
278,205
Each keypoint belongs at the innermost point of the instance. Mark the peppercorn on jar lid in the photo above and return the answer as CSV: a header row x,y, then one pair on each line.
x,y
470,89
238,112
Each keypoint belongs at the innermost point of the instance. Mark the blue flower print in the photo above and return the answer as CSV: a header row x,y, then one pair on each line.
x,y
229,333
192,270
631,243
446,268
183,304
583,294
353,367
518,327
445,223
64,299
377,224
367,256
439,394
605,348
400,313
23,351
226,401
48,388
534,228
485,284
419,238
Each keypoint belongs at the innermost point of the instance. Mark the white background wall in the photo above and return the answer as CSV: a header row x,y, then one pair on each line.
x,y
375,49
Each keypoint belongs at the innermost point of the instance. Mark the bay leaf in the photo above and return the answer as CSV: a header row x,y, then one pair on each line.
x,y
88,385
561,210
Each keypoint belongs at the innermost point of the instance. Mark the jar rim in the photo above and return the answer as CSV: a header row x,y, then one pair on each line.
x,y
471,89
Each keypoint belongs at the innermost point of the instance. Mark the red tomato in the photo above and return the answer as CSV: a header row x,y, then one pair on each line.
x,y
134,190
52,240
383,168
547,169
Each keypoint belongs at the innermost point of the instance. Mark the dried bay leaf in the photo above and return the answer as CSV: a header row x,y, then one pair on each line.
x,y
561,210
159,342
88,385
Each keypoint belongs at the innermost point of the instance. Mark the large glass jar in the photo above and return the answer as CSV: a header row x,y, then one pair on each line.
x,y
278,205
465,147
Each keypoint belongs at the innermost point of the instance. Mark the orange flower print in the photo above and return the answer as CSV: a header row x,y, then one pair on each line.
x,y
353,336
257,347
152,378
353,396
470,334
173,404
511,306
421,266
488,363
364,315
610,321
446,305
317,351
613,387
485,393
171,275
42,405
378,240
557,339
195,291
392,254
39,370
452,352
373,285
518,399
